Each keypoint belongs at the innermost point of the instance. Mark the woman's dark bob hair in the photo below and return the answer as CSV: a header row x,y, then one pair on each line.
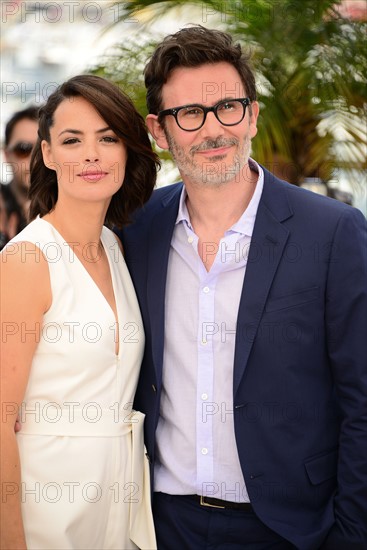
x,y
119,113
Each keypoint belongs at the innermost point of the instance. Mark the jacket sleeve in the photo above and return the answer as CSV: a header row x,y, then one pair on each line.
x,y
346,322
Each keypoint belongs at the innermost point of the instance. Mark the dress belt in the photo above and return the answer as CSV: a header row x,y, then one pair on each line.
x,y
90,421
223,504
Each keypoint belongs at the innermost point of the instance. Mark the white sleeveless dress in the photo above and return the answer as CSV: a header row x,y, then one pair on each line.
x,y
85,476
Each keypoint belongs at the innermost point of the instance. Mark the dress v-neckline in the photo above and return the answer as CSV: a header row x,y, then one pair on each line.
x,y
89,276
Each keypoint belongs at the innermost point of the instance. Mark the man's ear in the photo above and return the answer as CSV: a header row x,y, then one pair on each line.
x,y
254,113
157,131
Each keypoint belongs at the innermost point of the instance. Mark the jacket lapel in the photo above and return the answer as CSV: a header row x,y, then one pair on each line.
x,y
268,242
161,231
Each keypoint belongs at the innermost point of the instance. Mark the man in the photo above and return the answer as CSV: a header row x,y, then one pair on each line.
x,y
20,138
253,295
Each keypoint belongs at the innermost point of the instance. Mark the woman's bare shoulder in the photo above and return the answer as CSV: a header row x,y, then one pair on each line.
x,y
25,273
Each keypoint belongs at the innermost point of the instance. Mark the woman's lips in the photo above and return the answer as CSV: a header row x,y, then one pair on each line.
x,y
92,176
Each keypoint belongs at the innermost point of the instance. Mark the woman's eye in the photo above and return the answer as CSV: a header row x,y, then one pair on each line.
x,y
70,141
110,139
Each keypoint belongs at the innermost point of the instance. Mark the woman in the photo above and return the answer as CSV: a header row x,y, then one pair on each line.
x,y
75,476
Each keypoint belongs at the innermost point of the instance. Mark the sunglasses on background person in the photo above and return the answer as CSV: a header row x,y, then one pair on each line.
x,y
22,149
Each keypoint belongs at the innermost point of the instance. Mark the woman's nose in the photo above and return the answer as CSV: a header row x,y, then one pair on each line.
x,y
90,151
92,158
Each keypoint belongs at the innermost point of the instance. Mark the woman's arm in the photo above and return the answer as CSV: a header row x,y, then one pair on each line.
x,y
25,295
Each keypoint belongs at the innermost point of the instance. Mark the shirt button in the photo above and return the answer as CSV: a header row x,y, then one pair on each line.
x,y
204,396
190,240
204,451
204,342
206,289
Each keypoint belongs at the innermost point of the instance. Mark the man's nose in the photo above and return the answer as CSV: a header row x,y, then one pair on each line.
x,y
212,126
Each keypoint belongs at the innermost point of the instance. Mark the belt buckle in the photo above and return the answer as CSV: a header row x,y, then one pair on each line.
x,y
202,503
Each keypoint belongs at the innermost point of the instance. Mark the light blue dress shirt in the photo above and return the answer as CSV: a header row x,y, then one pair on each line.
x,y
197,452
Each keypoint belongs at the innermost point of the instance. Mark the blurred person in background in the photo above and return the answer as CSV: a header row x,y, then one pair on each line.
x,y
20,139
10,215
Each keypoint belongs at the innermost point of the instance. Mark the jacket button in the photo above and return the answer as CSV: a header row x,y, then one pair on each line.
x,y
154,388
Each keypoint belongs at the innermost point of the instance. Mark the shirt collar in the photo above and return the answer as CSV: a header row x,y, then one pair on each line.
x,y
246,222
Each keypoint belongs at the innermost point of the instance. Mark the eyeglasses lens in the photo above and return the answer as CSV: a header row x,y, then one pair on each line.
x,y
230,112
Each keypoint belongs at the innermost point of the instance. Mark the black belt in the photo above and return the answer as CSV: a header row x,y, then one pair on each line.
x,y
224,504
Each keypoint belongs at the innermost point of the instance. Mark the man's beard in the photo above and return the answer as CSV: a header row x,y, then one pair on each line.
x,y
213,172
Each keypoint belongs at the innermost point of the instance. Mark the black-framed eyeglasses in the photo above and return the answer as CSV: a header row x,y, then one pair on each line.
x,y
229,112
22,149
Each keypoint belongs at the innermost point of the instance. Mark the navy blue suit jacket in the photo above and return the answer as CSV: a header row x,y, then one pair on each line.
x,y
300,380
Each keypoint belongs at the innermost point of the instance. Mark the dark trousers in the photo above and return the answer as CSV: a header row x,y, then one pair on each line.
x,y
183,524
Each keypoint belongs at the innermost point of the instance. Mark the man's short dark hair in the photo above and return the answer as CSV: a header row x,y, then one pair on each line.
x,y
30,113
193,47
